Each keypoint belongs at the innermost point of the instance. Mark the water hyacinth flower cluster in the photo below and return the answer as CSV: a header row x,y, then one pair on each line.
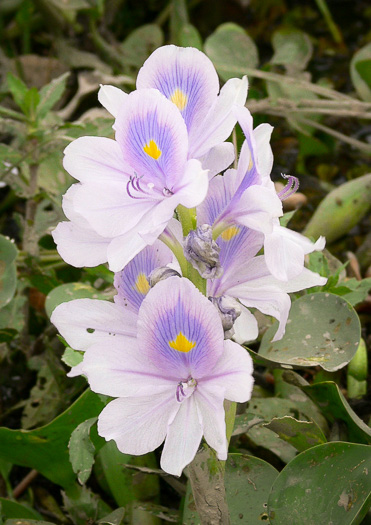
x,y
194,245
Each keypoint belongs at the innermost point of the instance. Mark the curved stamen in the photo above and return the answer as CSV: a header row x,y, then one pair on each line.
x,y
185,389
291,187
136,191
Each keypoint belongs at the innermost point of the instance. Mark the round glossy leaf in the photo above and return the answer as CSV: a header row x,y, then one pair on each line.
x,y
248,481
231,50
328,485
323,329
8,274
360,67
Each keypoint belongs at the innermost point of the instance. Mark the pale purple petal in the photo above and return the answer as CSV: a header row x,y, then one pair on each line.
x,y
182,439
255,208
83,322
137,424
117,367
180,329
132,282
185,76
112,98
221,191
153,139
233,372
96,159
238,245
216,127
209,399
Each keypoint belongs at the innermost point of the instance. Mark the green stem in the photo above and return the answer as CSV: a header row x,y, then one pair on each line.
x,y
334,30
187,217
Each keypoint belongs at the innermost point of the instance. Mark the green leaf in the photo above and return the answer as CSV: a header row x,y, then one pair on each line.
x,y
300,434
83,506
125,485
46,449
323,329
68,292
13,509
352,290
190,37
292,48
178,18
360,66
8,272
335,407
72,357
264,410
51,94
114,518
18,89
231,50
82,450
248,481
18,521
30,103
141,43
341,209
326,484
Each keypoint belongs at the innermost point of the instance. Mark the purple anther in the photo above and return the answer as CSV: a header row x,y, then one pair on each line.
x,y
291,187
179,391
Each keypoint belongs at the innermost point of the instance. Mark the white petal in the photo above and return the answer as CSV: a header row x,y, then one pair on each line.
x,y
285,249
80,246
218,159
183,438
96,159
257,208
245,327
264,155
109,209
137,424
84,322
209,401
220,120
112,98
195,184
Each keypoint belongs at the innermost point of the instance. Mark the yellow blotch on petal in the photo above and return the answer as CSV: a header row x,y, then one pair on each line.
x,y
179,98
229,233
152,149
141,284
181,343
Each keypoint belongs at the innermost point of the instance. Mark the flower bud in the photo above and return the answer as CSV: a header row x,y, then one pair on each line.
x,y
160,274
228,309
202,252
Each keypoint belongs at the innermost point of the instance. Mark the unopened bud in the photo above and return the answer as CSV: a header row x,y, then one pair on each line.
x,y
202,252
228,309
159,274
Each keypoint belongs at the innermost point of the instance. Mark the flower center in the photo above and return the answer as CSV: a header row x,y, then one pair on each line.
x,y
152,149
179,99
185,389
182,344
